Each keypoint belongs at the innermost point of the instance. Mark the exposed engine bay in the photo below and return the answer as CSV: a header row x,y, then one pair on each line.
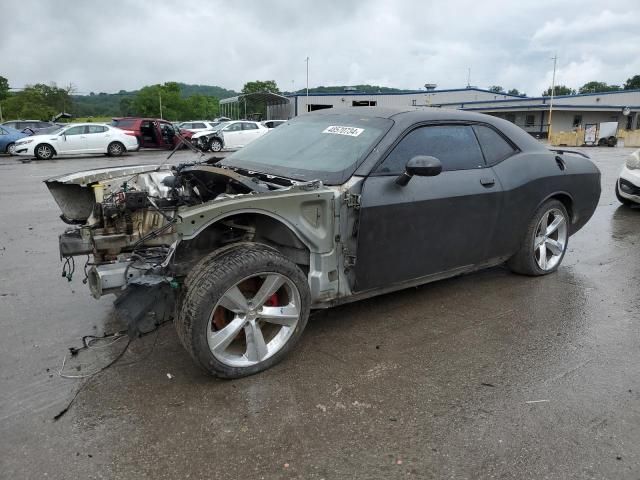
x,y
125,218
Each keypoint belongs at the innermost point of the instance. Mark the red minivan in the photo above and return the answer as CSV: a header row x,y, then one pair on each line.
x,y
151,132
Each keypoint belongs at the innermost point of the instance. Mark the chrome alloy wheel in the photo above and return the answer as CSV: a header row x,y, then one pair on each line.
x,y
550,240
44,152
254,319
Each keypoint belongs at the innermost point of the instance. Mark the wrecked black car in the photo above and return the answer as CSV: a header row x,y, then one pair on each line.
x,y
330,207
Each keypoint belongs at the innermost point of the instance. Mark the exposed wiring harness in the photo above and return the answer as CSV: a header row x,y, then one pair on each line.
x,y
88,343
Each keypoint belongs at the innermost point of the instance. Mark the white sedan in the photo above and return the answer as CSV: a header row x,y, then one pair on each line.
x,y
229,135
628,185
78,139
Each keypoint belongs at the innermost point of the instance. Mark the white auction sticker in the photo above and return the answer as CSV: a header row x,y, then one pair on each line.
x,y
350,131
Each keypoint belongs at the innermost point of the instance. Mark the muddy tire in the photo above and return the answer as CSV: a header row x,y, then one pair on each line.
x,y
44,151
115,149
242,310
545,242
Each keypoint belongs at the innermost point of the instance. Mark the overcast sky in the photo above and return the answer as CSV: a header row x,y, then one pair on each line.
x,y
126,44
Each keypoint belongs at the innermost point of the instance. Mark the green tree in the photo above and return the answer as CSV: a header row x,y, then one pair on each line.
x,y
4,88
496,89
261,86
596,87
515,91
632,83
559,90
38,101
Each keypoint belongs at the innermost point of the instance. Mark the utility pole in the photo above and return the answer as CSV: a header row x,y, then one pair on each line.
x,y
468,77
160,98
553,87
307,60
1,119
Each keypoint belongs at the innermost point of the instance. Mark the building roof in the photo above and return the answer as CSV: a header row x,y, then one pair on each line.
x,y
407,92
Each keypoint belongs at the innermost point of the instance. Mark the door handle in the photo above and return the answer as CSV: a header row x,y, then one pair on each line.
x,y
487,182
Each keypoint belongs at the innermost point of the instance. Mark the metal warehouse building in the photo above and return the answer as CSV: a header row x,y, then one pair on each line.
x,y
571,113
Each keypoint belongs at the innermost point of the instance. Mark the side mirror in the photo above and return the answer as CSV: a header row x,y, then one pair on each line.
x,y
64,137
421,166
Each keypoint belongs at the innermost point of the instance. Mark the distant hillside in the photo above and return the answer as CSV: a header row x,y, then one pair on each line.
x,y
109,104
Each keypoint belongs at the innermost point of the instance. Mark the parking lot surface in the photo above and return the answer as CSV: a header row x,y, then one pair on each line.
x,y
490,375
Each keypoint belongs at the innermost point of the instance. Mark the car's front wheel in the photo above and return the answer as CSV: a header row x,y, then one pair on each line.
x,y
545,242
11,149
215,145
44,151
243,310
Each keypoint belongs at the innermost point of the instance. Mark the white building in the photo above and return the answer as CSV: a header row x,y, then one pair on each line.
x,y
570,112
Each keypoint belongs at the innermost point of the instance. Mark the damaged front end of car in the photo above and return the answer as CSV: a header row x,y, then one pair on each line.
x,y
129,222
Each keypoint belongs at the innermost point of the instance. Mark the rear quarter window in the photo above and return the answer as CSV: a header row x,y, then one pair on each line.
x,y
494,146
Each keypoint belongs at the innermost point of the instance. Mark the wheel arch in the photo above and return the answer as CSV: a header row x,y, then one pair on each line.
x,y
251,225
55,152
565,198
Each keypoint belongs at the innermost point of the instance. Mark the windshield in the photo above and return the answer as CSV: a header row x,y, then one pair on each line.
x,y
312,147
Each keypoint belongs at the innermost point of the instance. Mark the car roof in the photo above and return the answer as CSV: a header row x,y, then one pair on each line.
x,y
406,117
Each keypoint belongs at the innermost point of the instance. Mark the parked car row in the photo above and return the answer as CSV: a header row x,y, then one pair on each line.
x,y
48,139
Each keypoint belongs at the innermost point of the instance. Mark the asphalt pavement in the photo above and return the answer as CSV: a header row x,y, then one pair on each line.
x,y
490,375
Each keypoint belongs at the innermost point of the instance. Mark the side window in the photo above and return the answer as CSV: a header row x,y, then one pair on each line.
x,y
79,130
494,146
249,126
96,129
234,127
198,125
186,125
454,145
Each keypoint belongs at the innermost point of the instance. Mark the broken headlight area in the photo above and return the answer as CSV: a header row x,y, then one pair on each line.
x,y
124,219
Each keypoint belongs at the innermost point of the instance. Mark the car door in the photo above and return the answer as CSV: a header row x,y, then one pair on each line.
x,y
233,136
251,131
433,224
74,140
97,138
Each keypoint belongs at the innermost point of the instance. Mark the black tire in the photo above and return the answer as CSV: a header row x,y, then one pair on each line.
x,y
115,149
524,261
208,282
44,151
612,141
621,199
11,149
215,145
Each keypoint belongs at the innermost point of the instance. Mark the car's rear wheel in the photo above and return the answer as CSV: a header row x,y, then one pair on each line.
x,y
115,149
545,242
11,149
215,145
243,310
621,199
44,151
